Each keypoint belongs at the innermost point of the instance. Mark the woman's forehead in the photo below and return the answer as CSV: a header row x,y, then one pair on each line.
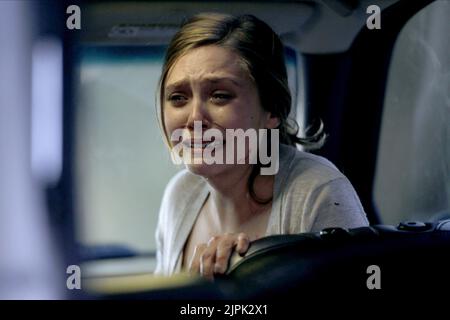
x,y
207,63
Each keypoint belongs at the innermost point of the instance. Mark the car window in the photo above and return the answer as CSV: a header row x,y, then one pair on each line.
x,y
413,168
122,163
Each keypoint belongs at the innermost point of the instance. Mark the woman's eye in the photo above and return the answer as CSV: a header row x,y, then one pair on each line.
x,y
221,98
177,99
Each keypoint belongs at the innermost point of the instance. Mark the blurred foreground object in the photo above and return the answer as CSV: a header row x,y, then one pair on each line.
x,y
29,269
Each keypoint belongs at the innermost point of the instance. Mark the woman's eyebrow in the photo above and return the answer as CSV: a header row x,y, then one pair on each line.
x,y
214,80
176,84
224,79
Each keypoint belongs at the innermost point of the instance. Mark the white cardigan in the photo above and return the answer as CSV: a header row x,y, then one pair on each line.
x,y
309,194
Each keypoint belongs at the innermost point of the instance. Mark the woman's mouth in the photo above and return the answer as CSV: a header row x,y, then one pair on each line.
x,y
201,144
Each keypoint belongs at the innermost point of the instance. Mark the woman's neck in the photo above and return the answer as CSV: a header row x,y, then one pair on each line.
x,y
230,199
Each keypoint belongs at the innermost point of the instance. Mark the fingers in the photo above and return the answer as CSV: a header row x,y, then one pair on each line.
x,y
223,254
194,264
243,242
213,257
208,258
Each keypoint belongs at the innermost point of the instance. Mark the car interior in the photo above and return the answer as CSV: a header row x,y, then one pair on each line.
x,y
382,94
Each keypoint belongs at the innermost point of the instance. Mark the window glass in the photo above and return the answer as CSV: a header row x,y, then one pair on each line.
x,y
122,164
413,169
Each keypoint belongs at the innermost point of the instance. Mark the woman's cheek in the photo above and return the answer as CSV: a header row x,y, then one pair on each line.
x,y
172,120
241,114
227,118
168,126
237,121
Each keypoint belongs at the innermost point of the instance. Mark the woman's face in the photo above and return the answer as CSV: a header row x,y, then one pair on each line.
x,y
210,84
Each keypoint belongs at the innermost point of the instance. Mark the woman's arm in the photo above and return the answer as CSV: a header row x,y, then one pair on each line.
x,y
159,249
335,204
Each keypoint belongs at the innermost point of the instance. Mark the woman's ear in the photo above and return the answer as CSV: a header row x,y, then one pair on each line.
x,y
272,121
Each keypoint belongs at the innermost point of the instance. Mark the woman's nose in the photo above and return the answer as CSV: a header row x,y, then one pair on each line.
x,y
198,112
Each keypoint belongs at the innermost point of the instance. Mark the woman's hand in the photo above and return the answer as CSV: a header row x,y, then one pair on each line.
x,y
212,258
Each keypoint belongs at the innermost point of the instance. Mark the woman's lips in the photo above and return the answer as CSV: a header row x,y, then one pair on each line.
x,y
200,144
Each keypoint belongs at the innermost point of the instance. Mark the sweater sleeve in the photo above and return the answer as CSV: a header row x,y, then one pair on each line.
x,y
178,194
162,229
335,204
159,249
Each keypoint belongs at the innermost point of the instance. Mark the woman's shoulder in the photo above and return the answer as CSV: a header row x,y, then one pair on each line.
x,y
316,195
182,190
182,185
307,168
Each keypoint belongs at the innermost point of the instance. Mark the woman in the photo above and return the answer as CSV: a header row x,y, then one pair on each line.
x,y
223,72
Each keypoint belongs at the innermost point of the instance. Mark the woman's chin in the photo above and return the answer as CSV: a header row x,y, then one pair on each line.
x,y
208,170
203,169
